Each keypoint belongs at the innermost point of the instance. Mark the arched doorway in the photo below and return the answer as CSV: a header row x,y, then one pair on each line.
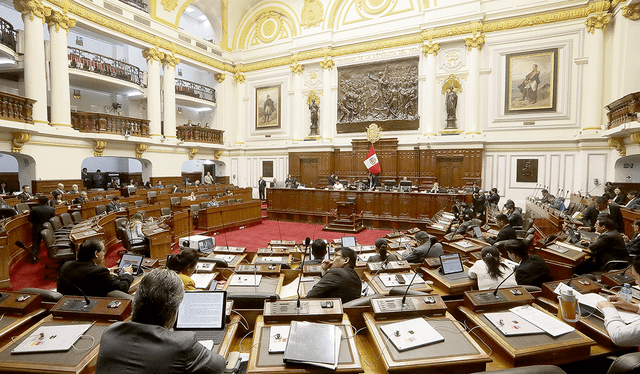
x,y
103,171
16,170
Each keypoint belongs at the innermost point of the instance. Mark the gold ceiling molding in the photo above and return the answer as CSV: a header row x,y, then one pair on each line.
x,y
140,148
169,5
32,8
219,77
267,25
327,64
474,42
19,140
599,18
60,20
193,152
312,13
631,12
98,147
296,68
239,78
618,144
171,60
431,49
152,54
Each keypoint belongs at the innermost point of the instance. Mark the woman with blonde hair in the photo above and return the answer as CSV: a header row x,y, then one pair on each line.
x,y
134,229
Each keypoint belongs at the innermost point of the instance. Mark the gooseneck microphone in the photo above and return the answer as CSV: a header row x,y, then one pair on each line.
x,y
404,297
495,292
306,246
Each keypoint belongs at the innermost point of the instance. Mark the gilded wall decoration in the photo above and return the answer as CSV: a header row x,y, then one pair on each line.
x,y
219,77
193,152
169,5
531,81
19,140
312,13
631,11
140,148
385,92
313,95
98,147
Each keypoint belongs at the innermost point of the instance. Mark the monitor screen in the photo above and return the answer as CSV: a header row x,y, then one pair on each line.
x,y
451,263
348,241
205,244
202,310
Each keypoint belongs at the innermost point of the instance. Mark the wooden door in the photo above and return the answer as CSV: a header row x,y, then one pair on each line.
x,y
449,171
309,172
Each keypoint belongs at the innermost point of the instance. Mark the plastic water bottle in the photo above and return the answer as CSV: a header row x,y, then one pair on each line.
x,y
625,292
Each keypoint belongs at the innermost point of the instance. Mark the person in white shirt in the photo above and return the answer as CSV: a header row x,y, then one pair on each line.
x,y
621,334
491,270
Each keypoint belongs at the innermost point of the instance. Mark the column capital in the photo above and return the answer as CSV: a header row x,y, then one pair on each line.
x,y
431,49
239,78
599,17
474,42
618,144
61,21
170,59
297,68
152,54
631,12
32,8
327,64
220,77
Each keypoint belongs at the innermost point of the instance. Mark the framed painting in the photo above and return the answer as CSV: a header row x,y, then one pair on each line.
x,y
268,108
531,81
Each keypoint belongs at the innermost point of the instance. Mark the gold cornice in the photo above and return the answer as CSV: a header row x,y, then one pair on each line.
x,y
631,12
296,69
60,20
239,78
170,59
618,144
219,77
19,140
152,54
98,147
193,152
140,148
431,49
474,42
599,16
32,8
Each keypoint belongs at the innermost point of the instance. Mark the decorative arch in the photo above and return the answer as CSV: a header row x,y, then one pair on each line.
x,y
348,12
266,25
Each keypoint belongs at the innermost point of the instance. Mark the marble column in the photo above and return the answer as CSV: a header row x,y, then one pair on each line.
x,y
429,112
59,25
298,124
472,97
593,75
169,88
154,110
327,128
34,13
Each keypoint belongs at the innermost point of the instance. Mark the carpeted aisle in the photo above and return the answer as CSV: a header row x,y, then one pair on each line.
x,y
25,274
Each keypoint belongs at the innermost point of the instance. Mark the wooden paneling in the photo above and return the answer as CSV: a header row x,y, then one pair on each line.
x,y
50,185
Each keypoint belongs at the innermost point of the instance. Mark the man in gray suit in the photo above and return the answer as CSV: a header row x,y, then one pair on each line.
x,y
425,249
147,344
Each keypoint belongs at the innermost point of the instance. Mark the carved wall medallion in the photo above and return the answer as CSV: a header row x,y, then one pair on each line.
x,y
312,13
269,26
169,5
374,133
19,140
384,92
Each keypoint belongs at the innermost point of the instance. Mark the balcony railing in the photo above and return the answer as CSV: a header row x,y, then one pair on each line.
x,y
199,134
138,4
624,110
16,108
107,66
8,35
109,124
196,90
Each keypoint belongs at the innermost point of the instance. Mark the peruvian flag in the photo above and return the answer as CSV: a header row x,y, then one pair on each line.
x,y
372,162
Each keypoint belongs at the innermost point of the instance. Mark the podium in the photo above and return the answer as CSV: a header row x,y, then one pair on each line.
x,y
346,218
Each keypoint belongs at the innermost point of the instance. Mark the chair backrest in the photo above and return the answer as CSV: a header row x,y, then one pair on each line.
x,y
55,223
66,219
220,195
175,200
101,209
47,225
124,204
240,200
625,364
204,204
526,225
121,222
165,211
231,201
109,197
22,207
139,203
77,217
151,194
98,197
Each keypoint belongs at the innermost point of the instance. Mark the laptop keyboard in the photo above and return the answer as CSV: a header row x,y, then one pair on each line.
x,y
457,275
215,335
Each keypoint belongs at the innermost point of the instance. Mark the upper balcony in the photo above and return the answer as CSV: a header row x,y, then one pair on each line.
x,y
114,75
623,110
16,108
189,93
199,134
103,123
8,35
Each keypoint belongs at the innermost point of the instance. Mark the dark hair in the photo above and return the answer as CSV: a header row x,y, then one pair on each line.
x,y
88,249
606,222
381,248
517,247
491,257
510,204
633,193
158,297
43,200
55,193
545,191
601,200
494,190
178,262
318,248
349,254
502,218
116,198
422,236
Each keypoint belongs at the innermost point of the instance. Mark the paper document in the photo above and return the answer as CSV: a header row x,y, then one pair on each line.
x,y
511,324
391,280
245,280
364,257
411,333
278,337
52,338
464,244
202,279
549,324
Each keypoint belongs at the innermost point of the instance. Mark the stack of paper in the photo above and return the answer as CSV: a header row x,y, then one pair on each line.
x,y
314,344
527,320
412,333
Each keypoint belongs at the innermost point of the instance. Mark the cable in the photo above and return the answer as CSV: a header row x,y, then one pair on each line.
x,y
243,338
246,324
93,342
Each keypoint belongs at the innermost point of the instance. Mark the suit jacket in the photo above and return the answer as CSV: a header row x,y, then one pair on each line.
x,y
419,254
262,184
24,197
590,216
609,246
533,271
515,219
113,207
94,280
338,282
61,192
547,199
131,347
505,233
39,215
620,199
633,247
493,199
633,203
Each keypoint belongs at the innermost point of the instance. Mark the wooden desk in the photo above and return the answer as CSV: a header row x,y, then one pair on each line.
x,y
14,324
282,260
267,285
378,286
261,361
225,216
465,246
234,262
573,257
531,349
450,286
102,227
159,239
262,269
458,353
547,220
72,361
179,224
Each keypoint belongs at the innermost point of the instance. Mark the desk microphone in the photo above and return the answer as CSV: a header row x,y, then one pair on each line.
x,y
24,248
495,292
306,246
404,297
570,279
383,265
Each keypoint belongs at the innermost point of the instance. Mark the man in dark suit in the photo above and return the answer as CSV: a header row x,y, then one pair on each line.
x,y
426,248
318,252
547,198
114,204
608,246
601,206
374,181
340,279
60,189
506,231
634,201
515,218
3,189
531,269
620,197
494,197
90,275
331,180
25,195
38,216
148,344
262,189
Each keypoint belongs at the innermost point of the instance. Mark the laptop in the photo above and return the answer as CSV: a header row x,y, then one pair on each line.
x,y
203,312
206,246
477,232
348,241
452,266
135,261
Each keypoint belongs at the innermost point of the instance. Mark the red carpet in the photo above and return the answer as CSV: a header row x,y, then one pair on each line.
x,y
25,274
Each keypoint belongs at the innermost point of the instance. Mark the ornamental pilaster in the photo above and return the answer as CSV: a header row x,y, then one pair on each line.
x,y
32,8
152,54
327,64
431,49
297,69
239,78
170,59
599,17
60,20
474,42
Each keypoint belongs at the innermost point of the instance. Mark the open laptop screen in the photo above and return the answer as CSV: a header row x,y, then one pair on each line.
x,y
206,245
451,263
134,260
202,310
348,241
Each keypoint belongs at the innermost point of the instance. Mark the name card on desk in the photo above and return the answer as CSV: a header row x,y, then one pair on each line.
x,y
245,280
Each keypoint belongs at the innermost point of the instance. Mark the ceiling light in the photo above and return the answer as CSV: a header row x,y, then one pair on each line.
x,y
202,18
189,9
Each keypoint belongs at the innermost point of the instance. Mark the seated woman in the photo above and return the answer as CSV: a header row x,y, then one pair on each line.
x,y
532,270
57,199
134,229
633,245
184,263
191,197
381,250
491,270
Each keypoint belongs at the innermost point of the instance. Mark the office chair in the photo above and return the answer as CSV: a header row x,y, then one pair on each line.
x,y
138,248
626,364
22,207
46,295
204,205
77,217
59,253
124,205
67,221
101,209
139,203
165,211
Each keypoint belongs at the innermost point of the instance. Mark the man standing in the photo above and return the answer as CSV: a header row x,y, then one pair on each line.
x,y
38,216
373,181
262,187
340,279
529,87
208,179
269,108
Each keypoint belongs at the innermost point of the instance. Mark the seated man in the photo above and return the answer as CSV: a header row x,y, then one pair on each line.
x,y
74,189
634,201
425,249
531,270
318,252
147,343
114,205
547,198
25,195
608,246
83,198
601,206
514,216
90,275
633,245
506,231
340,279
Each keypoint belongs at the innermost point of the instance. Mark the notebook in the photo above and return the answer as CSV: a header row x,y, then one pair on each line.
x,y
52,339
203,312
452,266
134,260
